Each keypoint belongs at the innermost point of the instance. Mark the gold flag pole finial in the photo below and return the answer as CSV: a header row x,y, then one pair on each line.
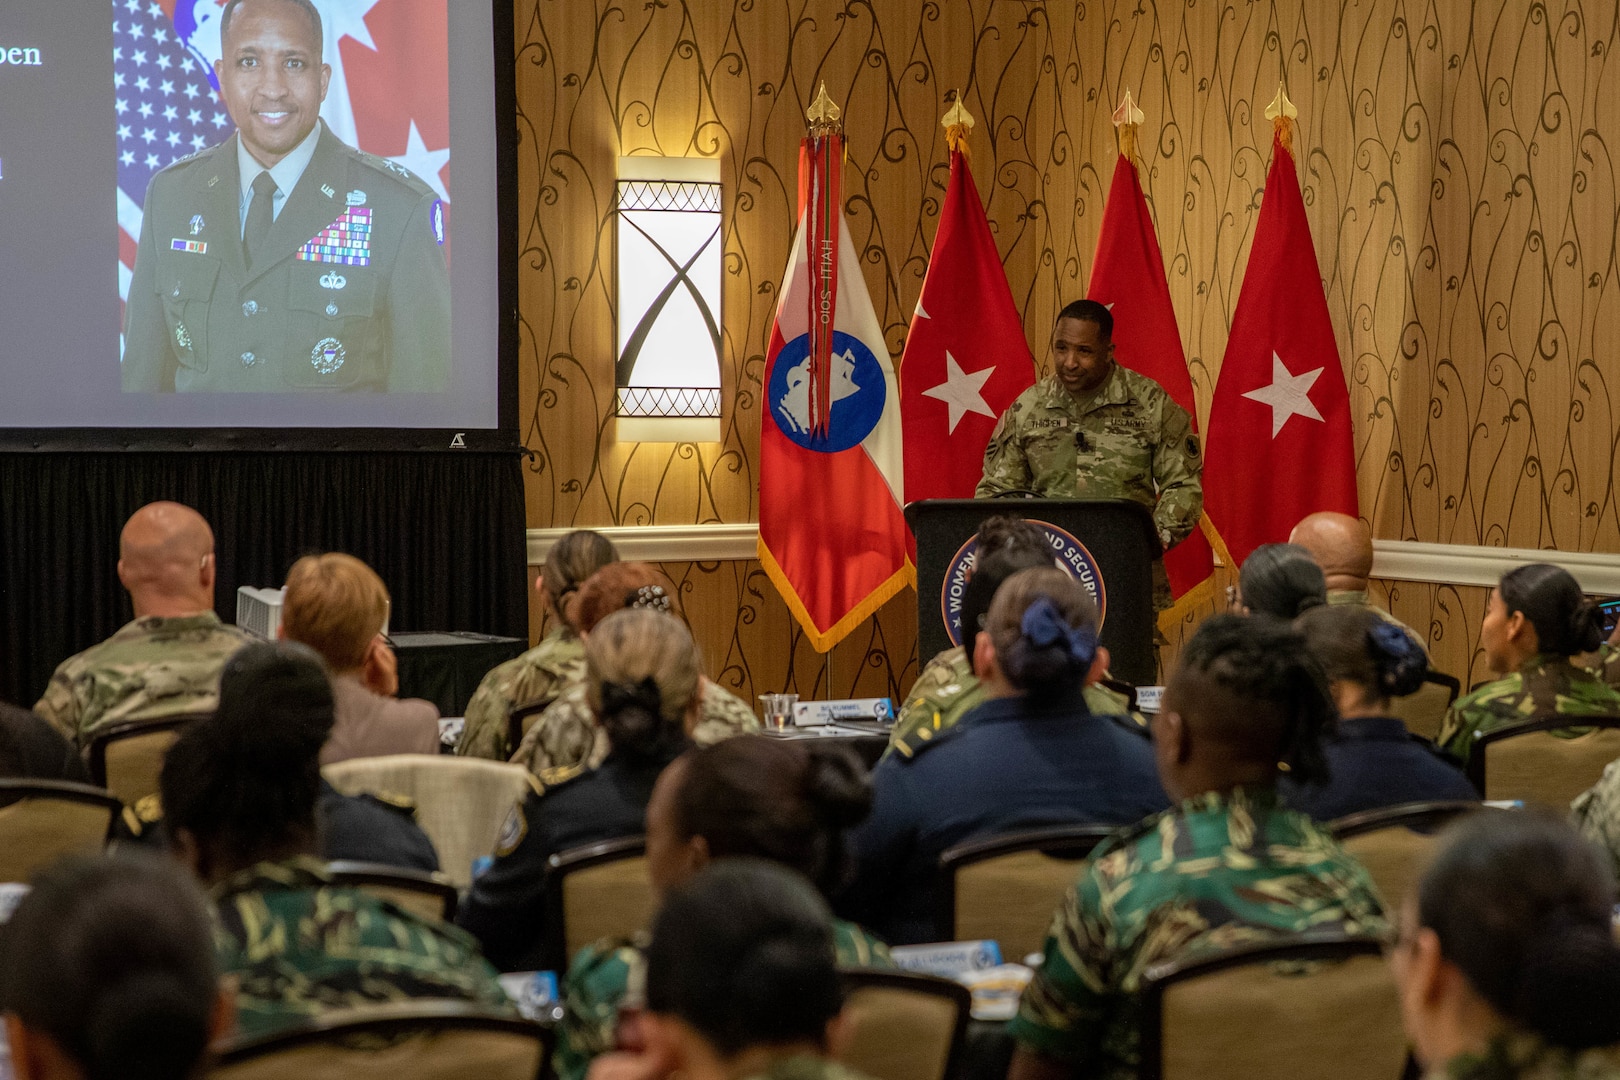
x,y
1281,113
823,114
957,122
1127,118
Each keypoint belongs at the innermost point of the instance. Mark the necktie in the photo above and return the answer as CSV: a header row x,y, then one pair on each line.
x,y
259,216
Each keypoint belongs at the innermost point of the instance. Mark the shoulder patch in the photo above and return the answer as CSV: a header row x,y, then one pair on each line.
x,y
436,221
923,739
512,832
1192,446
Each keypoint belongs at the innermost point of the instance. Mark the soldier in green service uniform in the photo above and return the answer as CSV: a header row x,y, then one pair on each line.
x,y
1227,866
166,662
1537,619
1095,430
282,259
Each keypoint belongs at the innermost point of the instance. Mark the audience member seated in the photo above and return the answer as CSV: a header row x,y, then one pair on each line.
x,y
540,674
1031,755
1596,813
166,662
338,606
1373,761
742,981
1342,546
31,749
1537,619
1280,580
239,792
947,687
107,973
1506,961
641,673
565,734
1226,866
751,797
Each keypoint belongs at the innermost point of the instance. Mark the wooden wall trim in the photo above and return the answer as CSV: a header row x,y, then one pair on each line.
x,y
663,543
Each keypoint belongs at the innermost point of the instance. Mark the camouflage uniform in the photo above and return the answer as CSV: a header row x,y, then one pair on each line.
x,y
947,689
612,975
1220,870
1596,812
566,733
1543,684
1359,598
1608,664
539,675
150,669
300,946
1125,440
1524,1057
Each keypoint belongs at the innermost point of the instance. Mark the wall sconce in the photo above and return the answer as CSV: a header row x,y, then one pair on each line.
x,y
669,250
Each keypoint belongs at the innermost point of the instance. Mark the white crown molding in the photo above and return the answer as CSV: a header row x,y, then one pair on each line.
x,y
663,543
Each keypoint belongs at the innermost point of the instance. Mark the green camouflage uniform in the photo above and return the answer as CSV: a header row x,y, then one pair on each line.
x,y
947,689
1126,440
1608,664
150,669
1215,872
1524,1057
539,675
299,946
1543,684
612,975
566,733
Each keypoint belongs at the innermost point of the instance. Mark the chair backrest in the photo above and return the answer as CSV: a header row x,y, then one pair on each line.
x,y
42,821
1006,888
597,891
521,719
903,1026
127,759
428,896
422,1040
1394,842
461,802
1424,709
1528,762
1306,1005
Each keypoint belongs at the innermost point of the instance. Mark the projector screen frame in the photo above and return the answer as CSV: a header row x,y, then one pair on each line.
x,y
503,437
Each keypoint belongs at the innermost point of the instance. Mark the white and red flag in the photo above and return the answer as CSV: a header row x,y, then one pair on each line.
x,y
1128,277
831,534
966,358
1280,442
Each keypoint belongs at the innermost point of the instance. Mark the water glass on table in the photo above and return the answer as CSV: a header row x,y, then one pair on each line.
x,y
779,710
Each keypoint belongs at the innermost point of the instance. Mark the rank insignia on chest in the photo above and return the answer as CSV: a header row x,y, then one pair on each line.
x,y
191,247
347,240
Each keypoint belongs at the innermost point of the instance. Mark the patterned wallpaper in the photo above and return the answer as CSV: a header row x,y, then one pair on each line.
x,y
1458,175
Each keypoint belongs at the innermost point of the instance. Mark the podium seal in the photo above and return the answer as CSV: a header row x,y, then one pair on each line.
x,y
1068,554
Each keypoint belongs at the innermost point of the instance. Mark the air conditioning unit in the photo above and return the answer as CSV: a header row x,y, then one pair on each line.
x,y
258,611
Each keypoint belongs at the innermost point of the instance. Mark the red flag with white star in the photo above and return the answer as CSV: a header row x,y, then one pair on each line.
x,y
966,358
1280,444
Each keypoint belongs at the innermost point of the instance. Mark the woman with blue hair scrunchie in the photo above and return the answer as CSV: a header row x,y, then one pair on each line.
x,y
1373,761
1030,755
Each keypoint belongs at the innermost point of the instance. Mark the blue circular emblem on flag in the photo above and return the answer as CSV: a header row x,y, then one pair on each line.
x,y
1068,554
858,394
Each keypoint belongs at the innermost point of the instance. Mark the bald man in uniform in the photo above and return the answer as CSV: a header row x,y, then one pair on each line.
x,y
167,661
1342,547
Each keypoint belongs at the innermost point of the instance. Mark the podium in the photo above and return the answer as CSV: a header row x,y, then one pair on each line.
x,y
1109,544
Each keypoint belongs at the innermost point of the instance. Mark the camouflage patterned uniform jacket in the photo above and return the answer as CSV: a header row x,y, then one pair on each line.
x,y
151,668
947,689
566,733
538,675
1596,812
1126,440
300,945
1543,684
1214,872
611,975
1524,1057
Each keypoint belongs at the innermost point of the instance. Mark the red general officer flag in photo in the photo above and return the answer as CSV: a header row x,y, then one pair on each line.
x,y
1280,443
831,535
966,358
1128,277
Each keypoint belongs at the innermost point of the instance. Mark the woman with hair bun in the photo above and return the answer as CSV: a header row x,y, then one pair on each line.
x,y
1031,755
1373,761
1281,580
1506,960
641,672
1537,619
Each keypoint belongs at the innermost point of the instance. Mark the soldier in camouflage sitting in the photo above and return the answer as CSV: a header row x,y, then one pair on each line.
x,y
566,734
239,796
539,675
1227,866
1536,621
166,662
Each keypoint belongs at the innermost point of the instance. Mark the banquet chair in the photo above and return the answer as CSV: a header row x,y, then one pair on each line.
x,y
901,1025
1527,762
1423,711
593,892
42,821
1394,842
127,758
426,895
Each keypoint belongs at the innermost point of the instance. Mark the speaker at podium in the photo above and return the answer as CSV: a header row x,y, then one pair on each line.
x,y
1109,545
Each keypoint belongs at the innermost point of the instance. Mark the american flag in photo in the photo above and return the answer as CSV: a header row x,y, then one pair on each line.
x,y
389,95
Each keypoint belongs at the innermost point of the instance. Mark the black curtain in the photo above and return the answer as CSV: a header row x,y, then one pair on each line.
x,y
445,531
